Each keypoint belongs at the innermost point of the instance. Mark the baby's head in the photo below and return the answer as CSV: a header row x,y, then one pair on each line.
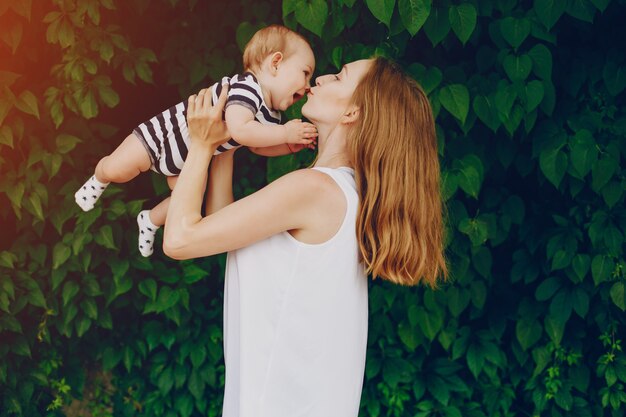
x,y
282,61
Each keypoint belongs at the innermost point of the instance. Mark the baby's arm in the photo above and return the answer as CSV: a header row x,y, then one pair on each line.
x,y
249,132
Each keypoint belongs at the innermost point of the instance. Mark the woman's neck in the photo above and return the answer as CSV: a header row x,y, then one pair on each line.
x,y
332,152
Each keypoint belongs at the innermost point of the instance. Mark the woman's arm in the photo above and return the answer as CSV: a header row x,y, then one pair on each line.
x,y
220,185
290,202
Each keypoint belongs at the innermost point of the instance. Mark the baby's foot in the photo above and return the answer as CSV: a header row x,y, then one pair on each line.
x,y
147,233
89,193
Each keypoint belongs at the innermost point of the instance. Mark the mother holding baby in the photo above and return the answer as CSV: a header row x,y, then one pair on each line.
x,y
301,248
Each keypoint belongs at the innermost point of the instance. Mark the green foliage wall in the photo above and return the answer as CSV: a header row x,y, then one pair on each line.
x,y
531,121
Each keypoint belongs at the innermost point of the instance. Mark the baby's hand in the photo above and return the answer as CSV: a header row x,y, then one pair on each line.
x,y
297,131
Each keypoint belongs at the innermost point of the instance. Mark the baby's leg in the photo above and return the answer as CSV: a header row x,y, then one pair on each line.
x,y
149,222
127,161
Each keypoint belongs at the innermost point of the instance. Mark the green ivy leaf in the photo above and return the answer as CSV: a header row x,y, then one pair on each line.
x,y
515,31
602,171
382,9
104,237
549,11
601,267
553,164
617,294
90,308
614,77
60,254
70,289
542,61
517,67
581,9
533,92
414,13
484,107
148,287
66,143
437,26
463,20
312,15
528,332
554,328
583,152
612,193
27,103
455,99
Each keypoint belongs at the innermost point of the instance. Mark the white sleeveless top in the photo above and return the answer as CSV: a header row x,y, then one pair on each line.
x,y
295,323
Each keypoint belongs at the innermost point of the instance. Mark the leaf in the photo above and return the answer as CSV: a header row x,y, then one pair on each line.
x,y
381,9
614,77
12,34
104,237
583,152
148,287
414,13
534,94
611,193
514,31
485,110
617,295
553,164
547,288
27,103
7,78
90,308
528,332
581,9
517,68
437,26
6,136
549,11
70,289
66,143
554,328
601,267
542,61
167,298
463,20
312,15
455,99
60,254
580,264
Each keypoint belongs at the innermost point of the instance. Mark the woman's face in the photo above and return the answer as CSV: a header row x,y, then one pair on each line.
x,y
328,100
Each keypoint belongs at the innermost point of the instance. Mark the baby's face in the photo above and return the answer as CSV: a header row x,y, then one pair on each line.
x,y
293,77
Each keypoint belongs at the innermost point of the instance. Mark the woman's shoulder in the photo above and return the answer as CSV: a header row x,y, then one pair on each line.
x,y
309,186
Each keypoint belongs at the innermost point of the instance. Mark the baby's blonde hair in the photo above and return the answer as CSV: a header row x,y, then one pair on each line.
x,y
266,41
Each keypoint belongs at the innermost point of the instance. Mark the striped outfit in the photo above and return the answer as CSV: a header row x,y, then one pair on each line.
x,y
166,137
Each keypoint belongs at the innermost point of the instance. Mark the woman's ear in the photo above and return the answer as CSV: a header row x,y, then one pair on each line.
x,y
351,115
275,60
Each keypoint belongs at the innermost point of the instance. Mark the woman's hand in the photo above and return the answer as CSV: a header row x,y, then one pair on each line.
x,y
204,121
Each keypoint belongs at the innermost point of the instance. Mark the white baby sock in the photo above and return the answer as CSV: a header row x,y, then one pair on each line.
x,y
89,193
147,233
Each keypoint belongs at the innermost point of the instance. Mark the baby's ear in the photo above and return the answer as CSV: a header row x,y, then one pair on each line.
x,y
275,60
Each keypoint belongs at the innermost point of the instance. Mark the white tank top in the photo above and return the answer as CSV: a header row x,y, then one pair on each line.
x,y
295,323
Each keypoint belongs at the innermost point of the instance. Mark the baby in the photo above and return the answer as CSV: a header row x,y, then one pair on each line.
x,y
278,65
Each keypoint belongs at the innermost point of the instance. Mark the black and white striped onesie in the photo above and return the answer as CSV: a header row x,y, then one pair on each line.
x,y
166,138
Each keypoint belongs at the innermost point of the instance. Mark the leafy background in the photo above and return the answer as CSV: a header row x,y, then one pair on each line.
x,y
531,122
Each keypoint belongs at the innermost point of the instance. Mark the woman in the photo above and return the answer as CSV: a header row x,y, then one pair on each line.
x,y
300,249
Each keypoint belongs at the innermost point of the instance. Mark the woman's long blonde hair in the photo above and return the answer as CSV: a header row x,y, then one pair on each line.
x,y
393,147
